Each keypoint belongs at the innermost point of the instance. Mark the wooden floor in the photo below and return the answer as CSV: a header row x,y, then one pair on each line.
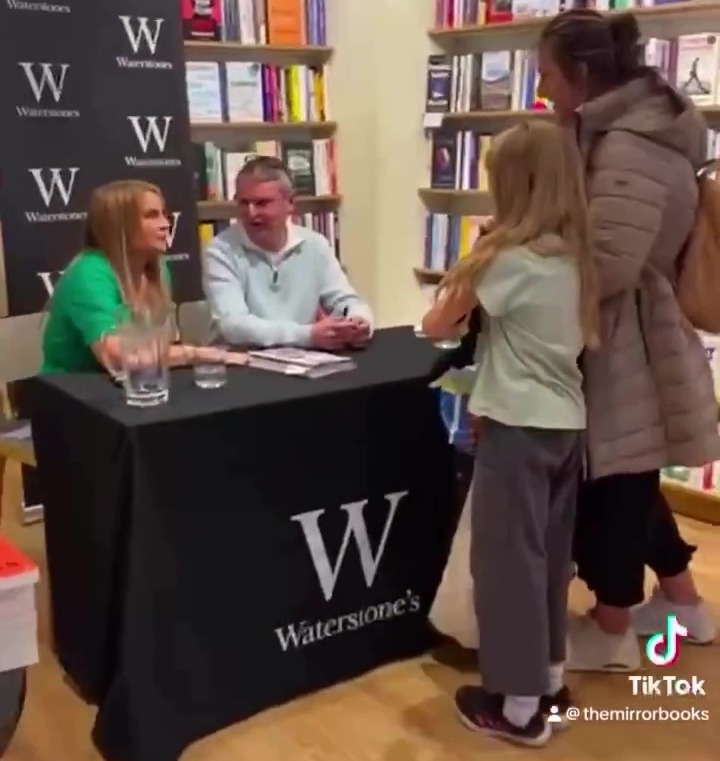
x,y
403,712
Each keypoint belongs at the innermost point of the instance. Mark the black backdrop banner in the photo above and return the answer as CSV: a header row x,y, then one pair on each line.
x,y
89,92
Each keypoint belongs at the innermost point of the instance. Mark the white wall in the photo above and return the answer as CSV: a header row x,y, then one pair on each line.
x,y
377,91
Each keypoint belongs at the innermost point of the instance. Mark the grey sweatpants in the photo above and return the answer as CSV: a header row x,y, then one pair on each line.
x,y
523,513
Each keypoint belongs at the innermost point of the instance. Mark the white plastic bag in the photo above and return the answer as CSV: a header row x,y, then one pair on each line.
x,y
453,612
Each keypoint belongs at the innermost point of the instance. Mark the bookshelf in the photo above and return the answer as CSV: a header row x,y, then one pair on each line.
x,y
662,21
694,492
261,88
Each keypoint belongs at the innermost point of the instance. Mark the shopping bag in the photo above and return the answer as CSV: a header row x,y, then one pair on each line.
x,y
453,611
456,418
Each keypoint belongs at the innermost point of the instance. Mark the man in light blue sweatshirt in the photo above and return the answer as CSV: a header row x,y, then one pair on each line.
x,y
265,278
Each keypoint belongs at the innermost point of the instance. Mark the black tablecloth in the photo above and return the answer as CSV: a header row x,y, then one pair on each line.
x,y
239,547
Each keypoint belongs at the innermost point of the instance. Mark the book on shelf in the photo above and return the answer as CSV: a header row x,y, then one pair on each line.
x,y
311,165
459,84
455,14
449,238
508,80
253,92
256,22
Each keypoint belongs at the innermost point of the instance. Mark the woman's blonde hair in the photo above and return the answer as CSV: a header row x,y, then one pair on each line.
x,y
114,216
538,189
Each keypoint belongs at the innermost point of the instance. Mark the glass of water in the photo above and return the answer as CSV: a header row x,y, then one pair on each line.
x,y
145,348
209,366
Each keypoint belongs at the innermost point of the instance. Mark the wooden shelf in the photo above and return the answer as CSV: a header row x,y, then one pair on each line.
x,y
692,503
214,210
279,55
428,277
664,21
231,135
489,122
460,202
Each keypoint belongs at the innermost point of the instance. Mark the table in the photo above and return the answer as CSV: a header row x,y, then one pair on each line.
x,y
237,548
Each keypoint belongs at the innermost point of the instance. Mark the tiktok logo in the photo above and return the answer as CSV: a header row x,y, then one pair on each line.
x,y
663,648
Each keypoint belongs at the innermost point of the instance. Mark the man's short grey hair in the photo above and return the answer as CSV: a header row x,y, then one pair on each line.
x,y
267,169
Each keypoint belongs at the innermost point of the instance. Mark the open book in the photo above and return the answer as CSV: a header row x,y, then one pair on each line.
x,y
301,362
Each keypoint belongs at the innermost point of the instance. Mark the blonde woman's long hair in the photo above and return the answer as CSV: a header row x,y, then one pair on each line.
x,y
536,180
114,215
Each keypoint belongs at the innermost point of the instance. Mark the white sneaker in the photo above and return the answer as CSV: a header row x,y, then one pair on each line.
x,y
651,618
592,649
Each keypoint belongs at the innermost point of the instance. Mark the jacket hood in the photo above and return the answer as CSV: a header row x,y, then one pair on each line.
x,y
649,107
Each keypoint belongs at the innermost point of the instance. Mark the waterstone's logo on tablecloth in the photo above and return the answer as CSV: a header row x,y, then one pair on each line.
x,y
151,133
143,35
300,634
46,83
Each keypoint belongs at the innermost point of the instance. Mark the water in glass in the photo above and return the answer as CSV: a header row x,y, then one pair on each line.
x,y
144,345
209,366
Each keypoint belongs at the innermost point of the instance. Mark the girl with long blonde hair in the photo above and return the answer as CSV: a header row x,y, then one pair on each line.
x,y
120,269
532,275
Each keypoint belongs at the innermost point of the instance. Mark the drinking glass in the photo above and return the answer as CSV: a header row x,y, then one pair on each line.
x,y
144,347
209,367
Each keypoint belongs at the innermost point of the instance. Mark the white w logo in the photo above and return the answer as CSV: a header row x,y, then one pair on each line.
x,y
56,83
47,191
143,31
174,217
152,129
355,527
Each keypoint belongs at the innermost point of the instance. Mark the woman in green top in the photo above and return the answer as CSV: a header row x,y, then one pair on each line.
x,y
120,267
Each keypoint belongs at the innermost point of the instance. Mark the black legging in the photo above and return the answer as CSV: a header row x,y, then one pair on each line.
x,y
624,523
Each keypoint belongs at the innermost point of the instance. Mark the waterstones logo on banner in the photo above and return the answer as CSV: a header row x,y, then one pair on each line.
x,y
151,133
303,633
181,257
48,279
55,187
28,5
143,35
46,83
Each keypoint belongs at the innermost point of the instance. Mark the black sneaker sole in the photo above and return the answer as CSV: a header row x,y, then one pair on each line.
x,y
539,741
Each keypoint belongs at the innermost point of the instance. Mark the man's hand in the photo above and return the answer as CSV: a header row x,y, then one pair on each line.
x,y
359,331
330,333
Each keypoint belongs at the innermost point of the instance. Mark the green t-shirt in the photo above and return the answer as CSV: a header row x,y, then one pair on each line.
x,y
85,305
528,374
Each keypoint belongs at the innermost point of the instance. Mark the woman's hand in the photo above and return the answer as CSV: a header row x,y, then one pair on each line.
x,y
236,358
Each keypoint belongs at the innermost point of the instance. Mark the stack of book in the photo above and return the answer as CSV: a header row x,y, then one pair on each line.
x,y
453,14
18,613
310,163
256,22
252,92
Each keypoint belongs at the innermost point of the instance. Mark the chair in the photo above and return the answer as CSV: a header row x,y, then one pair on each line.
x,y
15,443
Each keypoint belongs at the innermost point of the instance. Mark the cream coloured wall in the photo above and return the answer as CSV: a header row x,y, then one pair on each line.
x,y
377,92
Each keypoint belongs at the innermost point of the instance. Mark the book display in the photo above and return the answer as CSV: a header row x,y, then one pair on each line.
x,y
484,79
256,85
